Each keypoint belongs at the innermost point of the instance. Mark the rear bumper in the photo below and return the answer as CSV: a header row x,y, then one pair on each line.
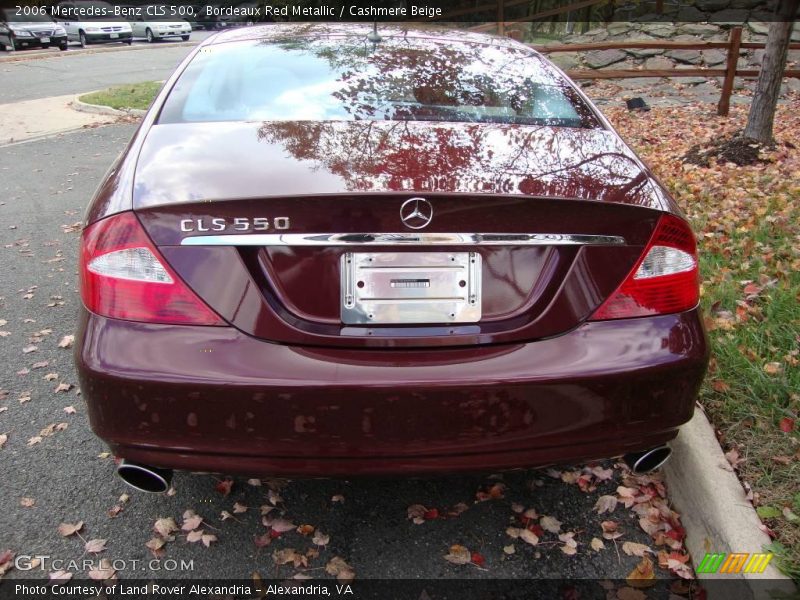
x,y
96,38
214,399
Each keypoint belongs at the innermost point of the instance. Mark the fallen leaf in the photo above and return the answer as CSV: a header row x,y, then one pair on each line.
x,y
239,508
337,498
526,535
786,425
165,526
70,410
208,539
458,555
3,439
29,349
510,549
66,341
550,524
282,525
642,575
103,571
63,387
194,536
597,544
60,575
95,546
605,504
224,486
305,529
27,502
68,529
320,539
289,555
477,559
191,520
772,368
634,549
155,544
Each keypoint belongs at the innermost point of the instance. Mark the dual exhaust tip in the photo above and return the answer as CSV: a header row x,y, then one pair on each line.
x,y
155,480
145,478
647,460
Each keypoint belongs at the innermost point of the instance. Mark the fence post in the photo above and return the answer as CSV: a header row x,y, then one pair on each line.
x,y
501,28
730,71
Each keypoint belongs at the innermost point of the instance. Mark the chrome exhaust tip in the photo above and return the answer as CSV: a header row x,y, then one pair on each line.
x,y
145,478
649,460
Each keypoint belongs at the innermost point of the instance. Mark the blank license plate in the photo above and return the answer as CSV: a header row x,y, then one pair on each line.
x,y
114,36
45,40
410,287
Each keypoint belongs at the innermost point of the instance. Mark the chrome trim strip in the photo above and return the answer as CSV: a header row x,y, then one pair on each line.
x,y
403,239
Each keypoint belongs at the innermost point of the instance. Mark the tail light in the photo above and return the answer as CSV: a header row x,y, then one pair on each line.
x,y
124,276
664,280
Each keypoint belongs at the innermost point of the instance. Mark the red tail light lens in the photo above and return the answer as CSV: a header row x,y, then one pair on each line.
x,y
664,280
124,276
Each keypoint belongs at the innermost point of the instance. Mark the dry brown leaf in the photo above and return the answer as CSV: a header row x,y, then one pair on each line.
x,y
320,539
194,536
526,535
458,555
66,341
155,544
605,504
103,571
95,546
165,526
634,549
597,544
305,529
68,529
550,524
642,575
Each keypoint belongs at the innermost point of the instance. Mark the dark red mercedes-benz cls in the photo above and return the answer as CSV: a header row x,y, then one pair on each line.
x,y
330,252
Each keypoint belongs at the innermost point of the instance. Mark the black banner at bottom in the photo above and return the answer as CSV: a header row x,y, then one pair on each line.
x,y
402,589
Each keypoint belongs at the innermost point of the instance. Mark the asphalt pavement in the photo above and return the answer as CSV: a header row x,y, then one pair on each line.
x,y
33,74
53,470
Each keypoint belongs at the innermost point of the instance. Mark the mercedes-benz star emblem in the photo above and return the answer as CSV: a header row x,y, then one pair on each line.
x,y
416,213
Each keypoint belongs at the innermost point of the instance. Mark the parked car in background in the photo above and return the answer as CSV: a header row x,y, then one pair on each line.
x,y
155,24
33,30
94,29
329,253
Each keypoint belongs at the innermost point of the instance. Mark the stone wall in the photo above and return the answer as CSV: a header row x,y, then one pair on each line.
x,y
655,28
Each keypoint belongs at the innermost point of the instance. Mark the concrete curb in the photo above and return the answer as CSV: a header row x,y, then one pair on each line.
x,y
714,510
21,56
100,109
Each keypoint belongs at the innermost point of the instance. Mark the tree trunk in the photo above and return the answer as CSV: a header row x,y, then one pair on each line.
x,y
765,99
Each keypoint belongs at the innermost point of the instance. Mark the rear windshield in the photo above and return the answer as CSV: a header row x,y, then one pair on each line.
x,y
397,79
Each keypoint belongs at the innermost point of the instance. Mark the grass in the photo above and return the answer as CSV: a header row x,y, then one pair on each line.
x,y
748,225
133,95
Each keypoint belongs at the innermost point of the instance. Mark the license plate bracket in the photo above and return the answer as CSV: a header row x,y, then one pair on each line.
x,y
404,288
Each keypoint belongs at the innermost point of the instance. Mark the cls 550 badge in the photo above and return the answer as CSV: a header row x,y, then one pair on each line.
x,y
235,224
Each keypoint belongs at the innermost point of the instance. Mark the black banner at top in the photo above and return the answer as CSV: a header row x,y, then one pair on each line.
x,y
733,12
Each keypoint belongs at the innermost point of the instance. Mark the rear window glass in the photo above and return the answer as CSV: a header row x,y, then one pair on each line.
x,y
397,79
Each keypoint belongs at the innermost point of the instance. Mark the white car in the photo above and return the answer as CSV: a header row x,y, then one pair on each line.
x,y
153,24
91,29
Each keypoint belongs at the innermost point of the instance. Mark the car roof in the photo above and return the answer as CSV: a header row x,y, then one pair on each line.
x,y
272,31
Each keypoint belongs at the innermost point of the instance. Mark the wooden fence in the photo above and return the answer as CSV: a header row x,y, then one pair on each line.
x,y
729,73
732,46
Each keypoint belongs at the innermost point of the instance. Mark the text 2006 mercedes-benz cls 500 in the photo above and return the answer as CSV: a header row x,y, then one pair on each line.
x,y
327,252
